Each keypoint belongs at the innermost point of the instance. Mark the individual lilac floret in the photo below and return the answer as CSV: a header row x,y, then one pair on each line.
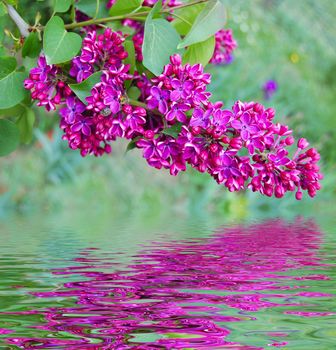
x,y
269,88
224,46
80,70
73,110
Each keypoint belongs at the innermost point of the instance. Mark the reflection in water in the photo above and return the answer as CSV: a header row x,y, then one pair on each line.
x,y
189,294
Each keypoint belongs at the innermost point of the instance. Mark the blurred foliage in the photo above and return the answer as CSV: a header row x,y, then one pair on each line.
x,y
293,42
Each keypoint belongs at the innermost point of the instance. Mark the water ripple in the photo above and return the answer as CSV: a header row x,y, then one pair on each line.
x,y
245,287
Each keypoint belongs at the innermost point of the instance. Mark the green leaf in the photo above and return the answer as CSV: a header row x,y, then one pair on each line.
x,y
3,9
9,137
129,47
200,52
122,7
25,124
83,89
186,18
208,22
32,46
11,2
7,65
160,42
13,111
62,5
59,45
11,83
131,145
89,7
174,130
133,92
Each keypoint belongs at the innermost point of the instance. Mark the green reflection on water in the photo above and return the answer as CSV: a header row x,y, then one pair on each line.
x,y
32,246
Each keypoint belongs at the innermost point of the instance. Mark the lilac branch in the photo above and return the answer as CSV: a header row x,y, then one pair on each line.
x,y
22,25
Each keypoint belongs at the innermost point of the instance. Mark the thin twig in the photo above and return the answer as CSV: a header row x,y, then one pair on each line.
x,y
22,25
130,15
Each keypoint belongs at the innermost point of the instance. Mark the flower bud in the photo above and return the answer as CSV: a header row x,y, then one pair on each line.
x,y
298,195
302,143
236,143
127,109
149,134
176,59
214,148
195,130
289,140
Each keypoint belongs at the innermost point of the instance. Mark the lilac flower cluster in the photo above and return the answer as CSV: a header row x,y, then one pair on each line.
x,y
47,85
90,127
224,46
173,121
240,148
99,52
106,116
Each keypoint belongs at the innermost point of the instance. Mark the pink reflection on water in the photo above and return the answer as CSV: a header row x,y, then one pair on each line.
x,y
181,294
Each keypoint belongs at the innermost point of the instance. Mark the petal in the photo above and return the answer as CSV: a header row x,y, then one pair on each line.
x,y
115,107
76,127
149,152
175,83
86,130
188,85
246,118
181,117
198,113
253,129
155,92
236,124
175,95
171,115
245,135
163,106
152,103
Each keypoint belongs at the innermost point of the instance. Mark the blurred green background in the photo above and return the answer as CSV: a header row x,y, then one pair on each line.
x,y
293,42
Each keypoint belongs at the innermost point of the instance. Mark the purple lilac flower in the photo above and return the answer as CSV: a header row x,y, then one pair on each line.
x,y
269,88
73,110
158,99
80,70
246,126
178,111
181,90
201,118
46,85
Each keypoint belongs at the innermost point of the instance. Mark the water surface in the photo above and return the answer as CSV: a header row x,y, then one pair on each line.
x,y
252,285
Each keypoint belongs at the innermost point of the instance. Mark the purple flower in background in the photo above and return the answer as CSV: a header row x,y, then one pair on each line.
x,y
224,46
269,88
